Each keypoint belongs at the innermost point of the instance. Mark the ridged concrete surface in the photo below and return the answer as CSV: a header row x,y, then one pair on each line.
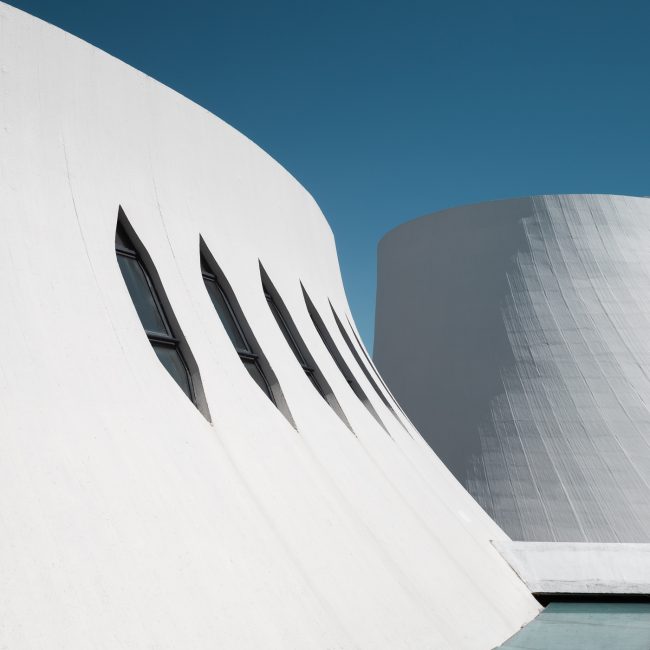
x,y
516,334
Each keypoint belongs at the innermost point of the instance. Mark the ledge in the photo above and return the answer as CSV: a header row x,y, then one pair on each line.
x,y
579,568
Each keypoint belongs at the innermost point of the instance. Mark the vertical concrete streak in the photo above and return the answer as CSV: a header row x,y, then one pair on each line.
x,y
517,336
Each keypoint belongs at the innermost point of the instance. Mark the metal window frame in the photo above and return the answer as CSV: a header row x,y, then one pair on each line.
x,y
156,337
286,330
344,370
254,359
244,354
362,366
247,351
309,371
339,361
373,367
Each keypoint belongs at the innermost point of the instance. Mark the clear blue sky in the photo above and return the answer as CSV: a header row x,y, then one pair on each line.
x,y
386,111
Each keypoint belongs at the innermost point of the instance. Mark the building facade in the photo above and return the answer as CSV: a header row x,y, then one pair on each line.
x,y
195,451
516,334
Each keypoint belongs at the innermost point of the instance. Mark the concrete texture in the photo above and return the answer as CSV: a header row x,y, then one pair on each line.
x,y
516,335
580,568
129,520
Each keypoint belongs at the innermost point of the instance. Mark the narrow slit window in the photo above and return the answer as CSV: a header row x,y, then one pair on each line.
x,y
249,357
364,369
153,316
300,351
330,346
372,366
284,328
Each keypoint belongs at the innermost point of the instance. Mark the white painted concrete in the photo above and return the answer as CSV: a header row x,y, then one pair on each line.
x,y
128,520
579,568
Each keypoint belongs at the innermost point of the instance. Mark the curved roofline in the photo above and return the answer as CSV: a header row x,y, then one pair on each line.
x,y
462,206
8,7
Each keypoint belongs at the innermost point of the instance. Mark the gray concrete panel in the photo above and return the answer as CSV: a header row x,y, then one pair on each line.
x,y
516,334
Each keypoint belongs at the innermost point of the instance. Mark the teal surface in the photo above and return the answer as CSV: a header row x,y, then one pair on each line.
x,y
586,626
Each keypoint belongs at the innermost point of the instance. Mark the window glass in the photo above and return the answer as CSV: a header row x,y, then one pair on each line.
x,y
285,331
234,322
324,334
313,380
334,354
302,353
205,268
363,367
226,316
156,324
142,295
122,239
171,358
256,373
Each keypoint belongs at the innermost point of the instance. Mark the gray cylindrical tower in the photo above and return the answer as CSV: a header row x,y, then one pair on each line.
x,y
517,336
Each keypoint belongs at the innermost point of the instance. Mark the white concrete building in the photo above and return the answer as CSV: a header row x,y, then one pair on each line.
x,y
516,334
205,507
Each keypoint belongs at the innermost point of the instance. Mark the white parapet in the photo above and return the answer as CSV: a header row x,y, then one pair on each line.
x,y
580,568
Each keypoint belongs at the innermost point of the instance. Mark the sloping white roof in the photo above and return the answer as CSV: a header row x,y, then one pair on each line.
x,y
130,521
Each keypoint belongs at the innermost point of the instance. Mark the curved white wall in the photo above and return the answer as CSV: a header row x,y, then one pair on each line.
x,y
517,336
128,520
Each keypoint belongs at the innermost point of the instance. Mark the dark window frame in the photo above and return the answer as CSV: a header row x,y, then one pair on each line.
x,y
299,349
339,361
364,369
372,364
152,336
128,245
309,370
247,355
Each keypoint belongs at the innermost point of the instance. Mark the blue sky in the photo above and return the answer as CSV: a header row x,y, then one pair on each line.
x,y
386,111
